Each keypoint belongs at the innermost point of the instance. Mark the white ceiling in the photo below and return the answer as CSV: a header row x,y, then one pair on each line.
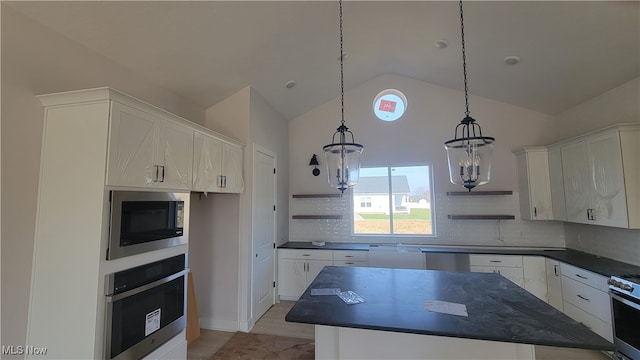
x,y
208,50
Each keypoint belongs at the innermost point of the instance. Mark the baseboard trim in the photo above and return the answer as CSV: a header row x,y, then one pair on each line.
x,y
219,324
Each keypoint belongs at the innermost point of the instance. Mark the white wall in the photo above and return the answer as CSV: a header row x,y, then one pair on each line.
x,y
619,105
213,258
35,60
431,116
247,117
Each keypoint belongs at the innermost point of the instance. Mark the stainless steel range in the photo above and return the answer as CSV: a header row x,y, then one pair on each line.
x,y
625,308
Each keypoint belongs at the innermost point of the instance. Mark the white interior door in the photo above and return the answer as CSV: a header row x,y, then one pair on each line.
x,y
264,213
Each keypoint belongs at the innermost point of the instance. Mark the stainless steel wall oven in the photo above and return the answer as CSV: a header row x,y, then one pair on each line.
x,y
624,291
145,307
144,221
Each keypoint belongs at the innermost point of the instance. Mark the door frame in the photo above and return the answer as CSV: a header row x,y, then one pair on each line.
x,y
272,154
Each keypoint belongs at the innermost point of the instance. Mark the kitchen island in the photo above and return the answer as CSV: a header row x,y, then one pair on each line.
x,y
503,320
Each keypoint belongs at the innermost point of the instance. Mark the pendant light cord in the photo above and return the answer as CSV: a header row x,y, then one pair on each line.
x,y
341,70
464,62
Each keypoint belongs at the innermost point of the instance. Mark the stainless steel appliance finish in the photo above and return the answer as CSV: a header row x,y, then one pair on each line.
x,y
145,307
143,221
624,291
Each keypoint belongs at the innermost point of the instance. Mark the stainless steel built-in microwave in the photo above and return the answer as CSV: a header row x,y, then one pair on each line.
x,y
143,221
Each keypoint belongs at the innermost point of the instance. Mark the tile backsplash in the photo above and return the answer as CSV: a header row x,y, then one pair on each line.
x,y
614,243
448,232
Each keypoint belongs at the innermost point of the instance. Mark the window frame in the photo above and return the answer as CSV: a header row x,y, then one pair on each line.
x,y
431,187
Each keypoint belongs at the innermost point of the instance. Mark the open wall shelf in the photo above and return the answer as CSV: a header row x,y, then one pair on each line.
x,y
315,196
321,217
481,217
478,193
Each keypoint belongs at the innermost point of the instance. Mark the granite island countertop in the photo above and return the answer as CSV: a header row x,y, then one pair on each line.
x,y
594,263
498,310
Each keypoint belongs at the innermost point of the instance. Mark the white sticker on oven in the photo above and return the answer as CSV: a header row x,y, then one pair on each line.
x,y
153,322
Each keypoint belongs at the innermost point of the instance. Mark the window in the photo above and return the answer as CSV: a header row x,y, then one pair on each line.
x,y
393,201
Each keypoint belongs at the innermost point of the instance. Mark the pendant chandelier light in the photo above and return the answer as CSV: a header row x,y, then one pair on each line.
x,y
343,157
469,153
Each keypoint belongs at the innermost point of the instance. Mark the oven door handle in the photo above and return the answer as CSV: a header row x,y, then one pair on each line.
x,y
624,301
139,289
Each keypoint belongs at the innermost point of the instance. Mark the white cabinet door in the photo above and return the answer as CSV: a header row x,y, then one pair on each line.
x,y
608,199
556,183
292,278
554,283
232,168
313,269
174,155
147,151
535,276
131,147
594,181
577,190
535,188
207,158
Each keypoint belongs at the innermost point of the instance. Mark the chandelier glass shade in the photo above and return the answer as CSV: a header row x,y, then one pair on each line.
x,y
343,156
469,152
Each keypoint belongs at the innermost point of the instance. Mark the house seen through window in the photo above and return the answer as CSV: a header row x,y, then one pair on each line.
x,y
393,201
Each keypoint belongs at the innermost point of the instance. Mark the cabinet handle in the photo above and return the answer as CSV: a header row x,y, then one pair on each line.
x,y
157,173
583,298
306,254
582,277
162,173
555,269
495,261
225,181
348,263
348,256
535,211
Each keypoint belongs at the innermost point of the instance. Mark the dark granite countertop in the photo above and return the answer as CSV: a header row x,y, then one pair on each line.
x,y
328,246
597,264
498,310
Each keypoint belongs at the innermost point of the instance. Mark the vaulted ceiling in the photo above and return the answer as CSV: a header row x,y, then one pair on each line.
x,y
208,50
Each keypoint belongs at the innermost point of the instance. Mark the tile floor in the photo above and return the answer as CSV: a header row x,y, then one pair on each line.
x,y
273,323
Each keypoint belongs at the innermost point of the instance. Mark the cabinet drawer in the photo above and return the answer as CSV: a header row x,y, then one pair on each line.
x,y
496,260
339,255
513,274
587,298
306,254
349,263
584,276
596,325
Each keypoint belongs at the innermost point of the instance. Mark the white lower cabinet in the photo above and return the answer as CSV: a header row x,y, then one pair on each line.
x,y
535,276
350,258
509,266
586,299
297,268
528,272
554,283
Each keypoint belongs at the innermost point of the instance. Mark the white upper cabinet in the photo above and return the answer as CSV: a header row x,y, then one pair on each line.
x,y
217,165
232,168
535,188
557,184
601,178
207,156
148,151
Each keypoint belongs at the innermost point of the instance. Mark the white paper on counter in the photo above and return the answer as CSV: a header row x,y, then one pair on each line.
x,y
327,291
446,307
